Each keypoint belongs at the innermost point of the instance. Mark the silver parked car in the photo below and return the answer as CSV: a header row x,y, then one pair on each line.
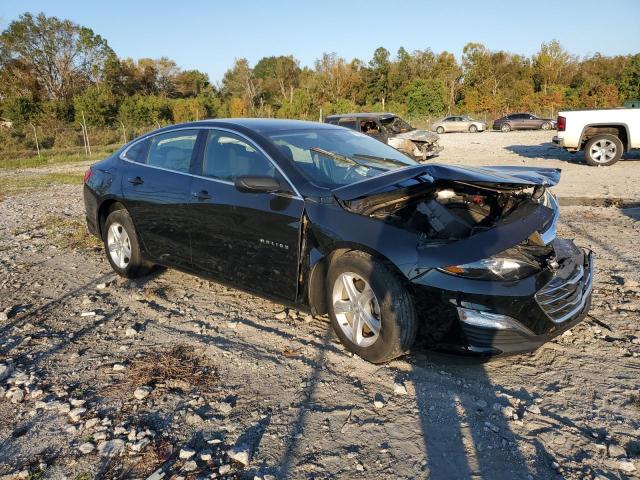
x,y
460,123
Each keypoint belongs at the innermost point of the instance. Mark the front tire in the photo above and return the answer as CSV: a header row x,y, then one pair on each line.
x,y
370,309
505,127
122,246
440,130
603,150
546,126
473,129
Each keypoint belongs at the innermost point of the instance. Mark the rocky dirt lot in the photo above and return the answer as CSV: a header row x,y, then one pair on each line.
x,y
172,376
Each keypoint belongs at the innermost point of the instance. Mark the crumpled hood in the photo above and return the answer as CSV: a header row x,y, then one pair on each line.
x,y
497,177
418,136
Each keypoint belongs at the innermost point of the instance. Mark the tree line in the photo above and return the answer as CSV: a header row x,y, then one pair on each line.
x,y
54,72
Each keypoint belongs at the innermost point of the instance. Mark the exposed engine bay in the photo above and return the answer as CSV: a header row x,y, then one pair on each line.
x,y
449,212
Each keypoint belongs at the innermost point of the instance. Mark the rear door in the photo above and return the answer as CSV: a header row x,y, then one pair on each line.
x,y
249,239
518,122
531,122
156,187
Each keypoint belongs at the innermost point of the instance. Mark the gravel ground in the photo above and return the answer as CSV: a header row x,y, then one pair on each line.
x,y
101,377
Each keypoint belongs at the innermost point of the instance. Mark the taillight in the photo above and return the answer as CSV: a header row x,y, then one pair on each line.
x,y
562,123
87,175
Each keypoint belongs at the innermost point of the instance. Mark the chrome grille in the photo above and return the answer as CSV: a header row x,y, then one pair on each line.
x,y
561,298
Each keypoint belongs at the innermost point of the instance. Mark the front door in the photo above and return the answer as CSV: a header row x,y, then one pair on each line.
x,y
249,239
157,190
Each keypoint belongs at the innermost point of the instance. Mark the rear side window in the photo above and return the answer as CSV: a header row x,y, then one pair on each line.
x,y
138,152
172,150
351,123
227,156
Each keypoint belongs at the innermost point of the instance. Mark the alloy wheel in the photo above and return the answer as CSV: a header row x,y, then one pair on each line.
x,y
119,245
356,309
603,151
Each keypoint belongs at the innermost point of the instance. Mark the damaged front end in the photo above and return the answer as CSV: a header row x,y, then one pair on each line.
x,y
418,144
490,276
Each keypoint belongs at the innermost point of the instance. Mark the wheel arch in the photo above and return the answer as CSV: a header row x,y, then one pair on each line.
x,y
621,130
106,207
319,265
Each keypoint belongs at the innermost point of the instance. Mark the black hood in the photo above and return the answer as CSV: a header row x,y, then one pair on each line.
x,y
496,177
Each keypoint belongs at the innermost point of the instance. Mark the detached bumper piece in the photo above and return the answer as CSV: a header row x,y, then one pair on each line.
x,y
564,301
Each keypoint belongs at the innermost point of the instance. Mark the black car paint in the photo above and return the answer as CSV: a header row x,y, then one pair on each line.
x,y
278,245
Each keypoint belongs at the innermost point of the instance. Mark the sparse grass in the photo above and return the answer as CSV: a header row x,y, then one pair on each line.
x,y
58,158
70,233
64,232
177,367
13,185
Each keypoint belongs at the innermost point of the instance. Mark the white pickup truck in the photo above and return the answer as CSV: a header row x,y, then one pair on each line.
x,y
604,135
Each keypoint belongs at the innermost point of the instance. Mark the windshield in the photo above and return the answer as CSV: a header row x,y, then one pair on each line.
x,y
334,157
396,125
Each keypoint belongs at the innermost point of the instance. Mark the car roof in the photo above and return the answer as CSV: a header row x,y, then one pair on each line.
x,y
363,115
261,125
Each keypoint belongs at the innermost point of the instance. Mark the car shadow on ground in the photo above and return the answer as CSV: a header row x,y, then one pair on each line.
x,y
549,151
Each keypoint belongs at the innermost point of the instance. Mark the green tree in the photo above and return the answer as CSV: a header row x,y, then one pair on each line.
x,y
426,97
379,69
98,105
630,80
63,56
20,110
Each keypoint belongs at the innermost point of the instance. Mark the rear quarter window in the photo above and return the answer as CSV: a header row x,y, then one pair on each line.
x,y
138,152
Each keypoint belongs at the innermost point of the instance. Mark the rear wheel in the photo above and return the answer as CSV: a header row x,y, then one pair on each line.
x,y
545,126
371,311
440,130
603,150
505,127
473,129
122,246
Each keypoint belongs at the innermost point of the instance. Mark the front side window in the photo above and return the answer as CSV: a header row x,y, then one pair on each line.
x,y
228,156
396,125
172,150
334,157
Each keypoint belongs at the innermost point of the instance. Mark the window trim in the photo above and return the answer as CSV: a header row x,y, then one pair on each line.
x,y
194,152
200,156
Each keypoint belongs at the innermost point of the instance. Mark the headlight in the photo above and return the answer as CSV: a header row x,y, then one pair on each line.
x,y
493,268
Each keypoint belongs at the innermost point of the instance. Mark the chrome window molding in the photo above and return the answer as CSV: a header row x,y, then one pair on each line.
x,y
123,154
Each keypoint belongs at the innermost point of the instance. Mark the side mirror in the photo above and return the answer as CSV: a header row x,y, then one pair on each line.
x,y
257,184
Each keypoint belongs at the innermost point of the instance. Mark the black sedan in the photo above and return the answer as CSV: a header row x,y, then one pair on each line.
x,y
336,222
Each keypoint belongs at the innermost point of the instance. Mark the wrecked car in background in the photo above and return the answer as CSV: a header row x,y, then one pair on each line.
x,y
333,221
393,130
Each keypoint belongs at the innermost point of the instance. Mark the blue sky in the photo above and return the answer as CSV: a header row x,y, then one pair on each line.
x,y
209,35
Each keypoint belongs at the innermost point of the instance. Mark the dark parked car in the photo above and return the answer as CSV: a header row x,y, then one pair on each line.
x,y
523,121
333,221
392,130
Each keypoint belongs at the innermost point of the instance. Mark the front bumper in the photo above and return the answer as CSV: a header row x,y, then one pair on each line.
x,y
543,305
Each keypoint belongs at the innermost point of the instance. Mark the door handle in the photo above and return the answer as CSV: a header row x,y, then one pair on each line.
x,y
201,195
136,181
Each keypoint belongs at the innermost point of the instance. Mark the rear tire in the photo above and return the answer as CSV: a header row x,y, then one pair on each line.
x,y
473,129
362,291
440,130
122,246
505,127
545,126
603,150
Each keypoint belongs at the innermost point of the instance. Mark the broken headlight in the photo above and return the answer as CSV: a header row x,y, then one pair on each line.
x,y
493,268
